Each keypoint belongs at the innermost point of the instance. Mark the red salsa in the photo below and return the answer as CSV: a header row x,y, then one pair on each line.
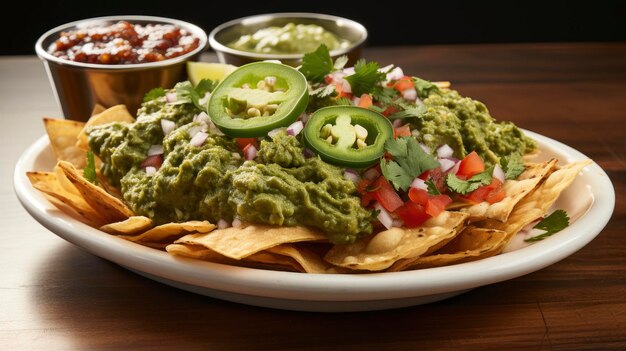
x,y
124,43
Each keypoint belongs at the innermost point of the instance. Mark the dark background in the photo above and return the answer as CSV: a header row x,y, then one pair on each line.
x,y
388,22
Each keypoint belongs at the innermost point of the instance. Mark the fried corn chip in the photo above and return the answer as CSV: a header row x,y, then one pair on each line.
x,y
63,134
539,201
515,190
267,260
49,184
471,245
117,113
238,243
130,226
165,234
106,205
97,108
307,260
380,251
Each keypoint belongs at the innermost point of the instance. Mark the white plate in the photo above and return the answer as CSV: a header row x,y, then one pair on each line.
x,y
589,200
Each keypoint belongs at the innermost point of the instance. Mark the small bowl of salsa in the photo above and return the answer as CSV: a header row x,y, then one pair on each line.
x,y
286,37
116,60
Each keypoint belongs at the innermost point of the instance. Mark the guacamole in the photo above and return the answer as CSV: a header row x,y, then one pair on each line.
x,y
289,39
212,181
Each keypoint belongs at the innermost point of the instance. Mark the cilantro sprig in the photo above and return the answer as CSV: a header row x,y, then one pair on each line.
x,y
186,93
554,223
512,167
366,77
154,94
409,161
467,186
317,64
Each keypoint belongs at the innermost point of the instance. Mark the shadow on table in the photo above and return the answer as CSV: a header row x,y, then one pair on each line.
x,y
97,304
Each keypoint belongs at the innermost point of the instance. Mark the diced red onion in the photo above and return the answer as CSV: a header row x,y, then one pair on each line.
x,y
167,126
304,117
397,223
250,152
383,216
395,74
198,139
152,161
356,100
425,148
155,150
396,123
455,169
221,224
202,117
273,132
194,130
446,164
170,97
237,223
345,86
444,151
498,173
308,153
409,94
295,128
371,174
351,174
419,183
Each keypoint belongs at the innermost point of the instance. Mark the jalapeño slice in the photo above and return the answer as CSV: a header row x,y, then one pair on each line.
x,y
258,97
348,136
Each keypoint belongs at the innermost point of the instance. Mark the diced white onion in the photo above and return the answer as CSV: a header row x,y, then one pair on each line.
x,y
295,128
198,139
237,223
348,71
155,150
385,69
446,164
221,224
170,97
383,216
397,223
444,151
345,86
351,174
167,126
395,74
396,123
356,100
150,170
273,132
425,148
194,130
304,117
409,94
202,117
498,173
250,152
419,183
371,174
455,169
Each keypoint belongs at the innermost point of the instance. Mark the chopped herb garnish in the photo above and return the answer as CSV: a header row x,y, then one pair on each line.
x,y
409,161
432,187
89,172
317,64
187,93
554,223
467,186
512,167
366,77
154,94
424,87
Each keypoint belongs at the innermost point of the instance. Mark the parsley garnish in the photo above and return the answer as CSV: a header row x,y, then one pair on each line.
x,y
317,64
512,167
424,87
366,77
154,94
186,93
554,223
467,186
409,161
89,172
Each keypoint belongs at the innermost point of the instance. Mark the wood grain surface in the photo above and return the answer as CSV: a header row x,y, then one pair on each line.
x,y
55,296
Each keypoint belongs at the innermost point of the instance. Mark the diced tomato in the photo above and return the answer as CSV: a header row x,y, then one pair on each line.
x,y
328,79
404,83
425,175
437,204
340,93
390,111
385,194
365,101
492,193
243,142
403,131
367,196
412,214
419,196
471,165
152,161
495,196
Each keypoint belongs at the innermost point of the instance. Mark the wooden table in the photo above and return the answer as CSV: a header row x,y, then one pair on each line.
x,y
54,296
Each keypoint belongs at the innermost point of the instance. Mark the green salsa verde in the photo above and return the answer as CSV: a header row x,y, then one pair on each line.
x,y
290,39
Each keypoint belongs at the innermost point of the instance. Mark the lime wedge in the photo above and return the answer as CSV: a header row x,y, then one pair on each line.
x,y
208,70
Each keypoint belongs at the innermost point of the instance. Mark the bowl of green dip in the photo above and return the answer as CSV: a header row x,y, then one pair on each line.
x,y
286,37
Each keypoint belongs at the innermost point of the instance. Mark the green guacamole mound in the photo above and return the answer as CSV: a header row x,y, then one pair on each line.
x,y
212,181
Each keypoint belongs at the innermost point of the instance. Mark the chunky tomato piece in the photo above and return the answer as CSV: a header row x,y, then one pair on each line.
x,y
437,204
471,165
386,195
403,131
495,196
390,111
412,214
364,188
404,83
419,196
365,101
341,93
243,142
493,191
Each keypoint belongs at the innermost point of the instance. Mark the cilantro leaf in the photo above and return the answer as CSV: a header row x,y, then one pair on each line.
x,y
344,101
323,91
154,94
186,93
432,187
89,172
512,167
317,64
554,223
409,161
366,77
424,87
409,111
467,186
205,86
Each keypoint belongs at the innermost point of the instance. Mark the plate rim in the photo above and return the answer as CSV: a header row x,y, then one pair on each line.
x,y
328,287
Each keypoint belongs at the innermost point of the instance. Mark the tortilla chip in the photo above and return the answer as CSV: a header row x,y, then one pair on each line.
x,y
198,252
515,190
238,243
130,226
165,234
267,260
538,202
109,207
63,134
97,108
380,251
471,245
117,113
307,260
